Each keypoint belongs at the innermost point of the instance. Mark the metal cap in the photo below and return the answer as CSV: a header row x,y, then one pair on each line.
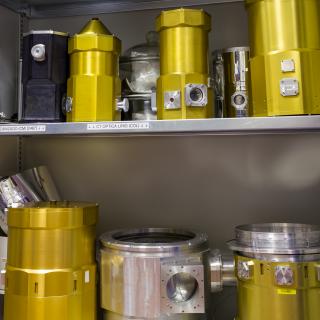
x,y
183,17
157,240
277,238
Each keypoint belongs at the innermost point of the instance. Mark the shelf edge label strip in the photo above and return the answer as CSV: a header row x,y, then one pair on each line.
x,y
118,126
23,128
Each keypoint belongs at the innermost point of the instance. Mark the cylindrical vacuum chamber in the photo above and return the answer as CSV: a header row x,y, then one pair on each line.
x,y
155,274
278,271
184,89
51,268
285,56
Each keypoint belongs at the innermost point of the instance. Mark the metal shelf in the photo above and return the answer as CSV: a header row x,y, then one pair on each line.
x,y
239,126
55,8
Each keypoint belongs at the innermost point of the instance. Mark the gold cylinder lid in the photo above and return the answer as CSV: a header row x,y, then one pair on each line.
x,y
183,17
53,215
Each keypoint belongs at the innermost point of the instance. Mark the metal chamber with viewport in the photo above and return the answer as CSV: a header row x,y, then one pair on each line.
x,y
157,273
278,271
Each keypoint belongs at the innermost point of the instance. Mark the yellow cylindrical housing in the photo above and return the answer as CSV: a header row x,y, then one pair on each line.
x,y
285,56
261,297
94,84
51,269
277,266
184,88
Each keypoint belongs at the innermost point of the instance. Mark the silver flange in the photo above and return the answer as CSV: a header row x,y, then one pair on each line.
x,y
277,238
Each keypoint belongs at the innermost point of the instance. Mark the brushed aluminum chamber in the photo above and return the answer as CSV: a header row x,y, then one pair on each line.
x,y
278,271
51,268
155,274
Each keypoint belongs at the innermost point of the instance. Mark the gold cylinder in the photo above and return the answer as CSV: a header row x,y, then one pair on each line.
x,y
285,56
277,266
261,297
184,88
51,269
94,84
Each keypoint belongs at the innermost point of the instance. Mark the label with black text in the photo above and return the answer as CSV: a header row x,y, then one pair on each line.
x,y
118,126
22,128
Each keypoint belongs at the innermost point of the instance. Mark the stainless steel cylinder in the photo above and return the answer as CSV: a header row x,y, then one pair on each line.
x,y
35,184
155,274
237,81
278,271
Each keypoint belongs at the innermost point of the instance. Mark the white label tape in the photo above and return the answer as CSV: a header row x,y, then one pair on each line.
x,y
118,126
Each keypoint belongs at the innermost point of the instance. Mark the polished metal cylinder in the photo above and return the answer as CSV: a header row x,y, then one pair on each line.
x,y
155,274
184,89
51,269
285,56
237,81
278,271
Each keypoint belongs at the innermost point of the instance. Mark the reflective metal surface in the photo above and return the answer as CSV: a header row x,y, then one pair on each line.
x,y
222,271
155,274
237,81
277,238
35,184
51,269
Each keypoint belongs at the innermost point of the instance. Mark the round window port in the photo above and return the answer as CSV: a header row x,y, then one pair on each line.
x,y
239,99
196,95
181,287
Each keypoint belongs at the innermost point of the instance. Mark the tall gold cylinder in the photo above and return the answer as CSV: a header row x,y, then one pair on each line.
x,y
51,269
285,56
94,85
184,88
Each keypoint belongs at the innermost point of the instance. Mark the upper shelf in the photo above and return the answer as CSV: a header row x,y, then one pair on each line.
x,y
55,8
208,126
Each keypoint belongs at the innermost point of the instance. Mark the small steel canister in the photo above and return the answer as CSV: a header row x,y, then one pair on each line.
x,y
237,81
